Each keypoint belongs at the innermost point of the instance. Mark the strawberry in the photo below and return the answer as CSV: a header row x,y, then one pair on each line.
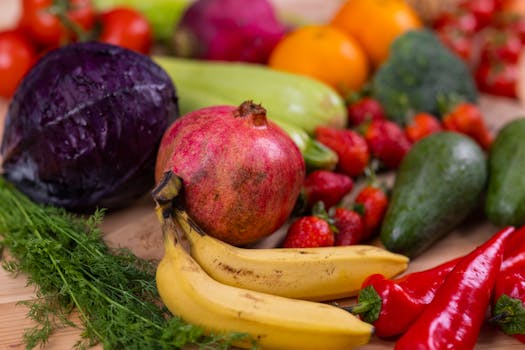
x,y
351,148
366,108
326,186
309,232
349,226
466,118
372,202
387,142
422,125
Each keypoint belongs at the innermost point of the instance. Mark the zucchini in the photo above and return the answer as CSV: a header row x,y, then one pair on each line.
x,y
505,200
194,95
291,98
438,183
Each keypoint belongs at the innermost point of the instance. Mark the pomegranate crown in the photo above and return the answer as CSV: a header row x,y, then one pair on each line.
x,y
249,108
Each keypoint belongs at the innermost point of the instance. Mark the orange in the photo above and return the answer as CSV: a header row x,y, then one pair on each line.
x,y
375,24
324,53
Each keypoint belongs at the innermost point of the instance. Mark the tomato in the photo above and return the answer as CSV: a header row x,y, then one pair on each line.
x,y
501,45
513,24
127,28
482,10
459,42
497,78
46,28
17,55
464,22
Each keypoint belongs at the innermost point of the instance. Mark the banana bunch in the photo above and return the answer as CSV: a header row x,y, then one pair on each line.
x,y
272,321
260,292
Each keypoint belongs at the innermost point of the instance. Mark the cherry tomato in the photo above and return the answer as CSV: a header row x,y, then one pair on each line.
x,y
497,78
461,21
127,28
17,55
46,28
514,24
459,42
482,10
501,45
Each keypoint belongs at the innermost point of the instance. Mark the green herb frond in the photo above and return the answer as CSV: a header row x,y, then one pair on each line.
x,y
113,292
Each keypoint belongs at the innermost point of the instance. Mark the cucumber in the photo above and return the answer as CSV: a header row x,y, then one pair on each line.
x,y
439,182
291,98
505,200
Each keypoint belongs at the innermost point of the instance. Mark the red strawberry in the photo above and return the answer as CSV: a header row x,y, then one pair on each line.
x,y
387,142
466,118
366,108
326,186
349,226
309,231
351,148
422,125
373,202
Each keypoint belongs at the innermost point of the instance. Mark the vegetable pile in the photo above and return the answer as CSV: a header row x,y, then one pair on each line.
x,y
288,128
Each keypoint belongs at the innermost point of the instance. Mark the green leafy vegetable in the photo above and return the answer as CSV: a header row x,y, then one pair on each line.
x,y
113,292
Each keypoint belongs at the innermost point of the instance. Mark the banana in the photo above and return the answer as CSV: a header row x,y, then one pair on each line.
x,y
273,322
318,274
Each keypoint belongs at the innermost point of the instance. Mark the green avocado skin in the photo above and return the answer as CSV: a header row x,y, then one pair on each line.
x,y
438,183
505,200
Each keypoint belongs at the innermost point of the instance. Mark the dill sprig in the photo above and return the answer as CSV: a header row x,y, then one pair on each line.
x,y
112,291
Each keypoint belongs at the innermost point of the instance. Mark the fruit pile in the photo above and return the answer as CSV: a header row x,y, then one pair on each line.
x,y
489,35
372,144
302,137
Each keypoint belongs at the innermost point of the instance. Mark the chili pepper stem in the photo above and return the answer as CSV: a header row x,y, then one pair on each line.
x,y
359,308
369,305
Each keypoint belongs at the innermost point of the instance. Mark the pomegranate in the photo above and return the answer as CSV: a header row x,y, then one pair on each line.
x,y
241,174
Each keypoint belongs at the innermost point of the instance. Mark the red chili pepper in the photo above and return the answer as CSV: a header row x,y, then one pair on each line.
x,y
509,307
391,306
453,319
508,310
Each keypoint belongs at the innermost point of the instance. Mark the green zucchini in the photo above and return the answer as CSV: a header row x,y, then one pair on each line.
x,y
290,98
505,200
439,182
193,96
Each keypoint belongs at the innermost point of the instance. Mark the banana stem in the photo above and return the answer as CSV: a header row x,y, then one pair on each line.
x,y
165,195
168,189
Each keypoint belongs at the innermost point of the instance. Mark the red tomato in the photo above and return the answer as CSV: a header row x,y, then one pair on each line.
x,y
461,21
482,10
501,45
497,78
17,55
45,27
127,28
461,43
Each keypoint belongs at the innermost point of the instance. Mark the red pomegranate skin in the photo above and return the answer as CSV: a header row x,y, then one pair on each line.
x,y
241,173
